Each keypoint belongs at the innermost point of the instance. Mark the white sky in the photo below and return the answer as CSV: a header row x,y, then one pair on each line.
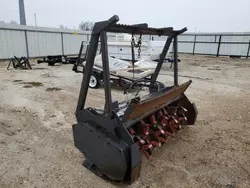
x,y
204,15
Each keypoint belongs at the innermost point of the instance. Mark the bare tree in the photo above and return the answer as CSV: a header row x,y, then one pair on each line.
x,y
13,22
86,25
63,27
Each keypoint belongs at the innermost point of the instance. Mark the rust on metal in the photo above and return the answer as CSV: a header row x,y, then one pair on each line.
x,y
152,103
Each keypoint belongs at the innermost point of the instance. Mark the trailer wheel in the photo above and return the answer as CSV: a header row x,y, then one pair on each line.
x,y
156,87
51,63
94,81
124,85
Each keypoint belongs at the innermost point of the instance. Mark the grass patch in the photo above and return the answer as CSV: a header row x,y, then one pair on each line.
x,y
27,86
35,84
53,89
17,80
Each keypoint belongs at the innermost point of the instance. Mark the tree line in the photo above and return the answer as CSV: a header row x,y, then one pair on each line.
x,y
84,25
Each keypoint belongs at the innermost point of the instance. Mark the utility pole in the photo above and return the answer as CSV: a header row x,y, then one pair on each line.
x,y
22,13
35,20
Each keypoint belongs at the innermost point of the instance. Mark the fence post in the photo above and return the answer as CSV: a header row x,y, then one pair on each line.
x,y
62,43
218,49
194,44
26,43
175,48
248,49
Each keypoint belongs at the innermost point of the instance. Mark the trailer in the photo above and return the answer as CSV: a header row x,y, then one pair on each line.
x,y
63,59
123,73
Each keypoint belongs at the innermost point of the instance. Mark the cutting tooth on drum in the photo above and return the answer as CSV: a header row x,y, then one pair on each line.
x,y
164,111
153,120
155,143
144,127
184,109
167,133
164,122
173,117
175,111
140,140
131,131
159,136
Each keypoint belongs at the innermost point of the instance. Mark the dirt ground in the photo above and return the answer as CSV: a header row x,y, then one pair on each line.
x,y
37,112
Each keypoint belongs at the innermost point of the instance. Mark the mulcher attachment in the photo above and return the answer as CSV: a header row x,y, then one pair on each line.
x,y
113,146
115,139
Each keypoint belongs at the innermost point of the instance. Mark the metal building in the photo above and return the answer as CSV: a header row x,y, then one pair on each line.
x,y
30,41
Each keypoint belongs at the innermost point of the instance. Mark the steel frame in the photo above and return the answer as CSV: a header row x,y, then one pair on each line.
x,y
99,31
22,63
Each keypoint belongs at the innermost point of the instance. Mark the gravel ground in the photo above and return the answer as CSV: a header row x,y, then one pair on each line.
x,y
37,112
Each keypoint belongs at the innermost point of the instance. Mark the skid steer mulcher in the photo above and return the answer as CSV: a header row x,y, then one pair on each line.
x,y
114,139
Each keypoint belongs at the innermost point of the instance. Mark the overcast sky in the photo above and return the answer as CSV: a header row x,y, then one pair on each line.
x,y
204,15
